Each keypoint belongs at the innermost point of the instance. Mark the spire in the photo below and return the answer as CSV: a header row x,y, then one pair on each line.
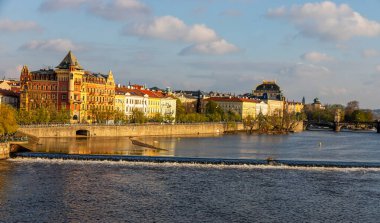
x,y
24,69
69,61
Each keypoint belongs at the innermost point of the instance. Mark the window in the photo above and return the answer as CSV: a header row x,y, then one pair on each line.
x,y
63,96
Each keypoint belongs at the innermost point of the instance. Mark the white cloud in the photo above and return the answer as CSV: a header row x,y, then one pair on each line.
x,y
107,9
368,53
7,25
316,57
205,40
172,28
60,45
218,47
327,21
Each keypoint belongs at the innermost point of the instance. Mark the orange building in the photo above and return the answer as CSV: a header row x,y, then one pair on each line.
x,y
68,87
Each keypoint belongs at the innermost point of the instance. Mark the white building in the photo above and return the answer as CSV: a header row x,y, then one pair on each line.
x,y
128,99
168,107
262,108
135,100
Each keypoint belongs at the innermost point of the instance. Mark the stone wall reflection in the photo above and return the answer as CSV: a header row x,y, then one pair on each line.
x,y
103,145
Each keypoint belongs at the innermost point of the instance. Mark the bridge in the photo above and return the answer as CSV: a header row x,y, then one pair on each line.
x,y
337,126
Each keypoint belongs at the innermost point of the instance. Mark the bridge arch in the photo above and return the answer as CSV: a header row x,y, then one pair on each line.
x,y
82,132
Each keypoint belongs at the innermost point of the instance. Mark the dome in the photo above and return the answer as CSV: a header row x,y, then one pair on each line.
x,y
268,86
317,101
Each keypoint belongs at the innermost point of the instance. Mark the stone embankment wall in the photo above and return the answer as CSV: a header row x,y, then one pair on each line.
x,y
4,151
130,130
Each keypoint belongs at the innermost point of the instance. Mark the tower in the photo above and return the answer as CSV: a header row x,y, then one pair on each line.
x,y
25,77
69,75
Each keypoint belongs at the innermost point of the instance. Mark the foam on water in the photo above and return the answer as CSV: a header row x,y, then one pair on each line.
x,y
189,165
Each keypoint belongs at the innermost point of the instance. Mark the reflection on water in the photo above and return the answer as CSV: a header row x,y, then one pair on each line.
x,y
313,146
103,145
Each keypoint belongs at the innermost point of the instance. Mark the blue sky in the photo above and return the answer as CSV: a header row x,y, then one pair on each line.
x,y
324,49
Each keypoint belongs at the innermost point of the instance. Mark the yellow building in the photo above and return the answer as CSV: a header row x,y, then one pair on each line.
x,y
120,101
241,106
154,102
98,94
294,107
275,107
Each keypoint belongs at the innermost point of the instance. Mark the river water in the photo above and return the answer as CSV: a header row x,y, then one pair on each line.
x,y
308,145
40,190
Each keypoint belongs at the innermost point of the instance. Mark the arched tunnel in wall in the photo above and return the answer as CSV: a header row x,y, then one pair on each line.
x,y
82,133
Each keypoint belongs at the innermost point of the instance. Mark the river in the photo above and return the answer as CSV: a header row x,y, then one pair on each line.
x,y
40,190
308,145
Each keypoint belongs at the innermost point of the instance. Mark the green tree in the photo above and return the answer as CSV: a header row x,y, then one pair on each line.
x,y
323,115
8,122
214,112
120,117
232,116
42,115
351,107
156,118
362,116
24,117
137,116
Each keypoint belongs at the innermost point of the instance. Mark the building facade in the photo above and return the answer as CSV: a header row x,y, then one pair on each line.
x,y
294,107
134,99
244,107
275,107
317,105
261,108
67,87
268,90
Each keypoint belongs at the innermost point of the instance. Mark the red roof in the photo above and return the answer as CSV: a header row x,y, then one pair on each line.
x,y
140,92
124,90
153,94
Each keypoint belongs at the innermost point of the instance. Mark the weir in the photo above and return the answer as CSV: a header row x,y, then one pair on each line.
x,y
189,160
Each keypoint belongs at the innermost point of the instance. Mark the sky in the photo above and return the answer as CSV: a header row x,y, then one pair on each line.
x,y
324,49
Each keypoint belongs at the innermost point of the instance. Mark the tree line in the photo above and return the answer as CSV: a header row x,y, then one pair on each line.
x,y
349,113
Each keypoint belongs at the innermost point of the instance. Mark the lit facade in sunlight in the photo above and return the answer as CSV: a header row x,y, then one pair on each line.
x,y
67,87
